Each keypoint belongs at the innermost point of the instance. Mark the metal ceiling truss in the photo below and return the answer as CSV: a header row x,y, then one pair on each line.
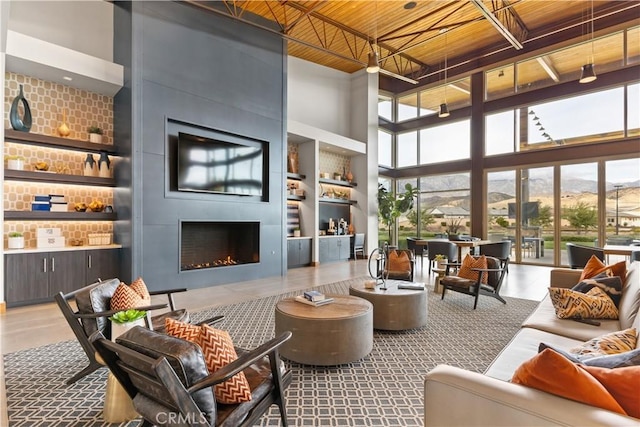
x,y
327,34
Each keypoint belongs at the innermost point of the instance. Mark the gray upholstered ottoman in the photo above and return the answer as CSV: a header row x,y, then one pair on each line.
x,y
332,334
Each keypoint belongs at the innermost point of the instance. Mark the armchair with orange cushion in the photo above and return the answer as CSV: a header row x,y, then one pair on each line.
x,y
477,275
400,265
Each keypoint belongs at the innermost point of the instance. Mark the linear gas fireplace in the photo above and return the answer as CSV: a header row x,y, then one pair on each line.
x,y
211,244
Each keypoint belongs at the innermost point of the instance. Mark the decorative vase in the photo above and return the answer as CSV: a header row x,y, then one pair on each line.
x,y
15,242
96,138
296,233
90,167
292,166
349,176
104,166
23,123
118,329
63,129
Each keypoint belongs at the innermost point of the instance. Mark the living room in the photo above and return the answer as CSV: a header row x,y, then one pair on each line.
x,y
166,95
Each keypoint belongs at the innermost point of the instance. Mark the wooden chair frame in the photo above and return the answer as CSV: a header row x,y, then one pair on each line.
x,y
479,288
158,373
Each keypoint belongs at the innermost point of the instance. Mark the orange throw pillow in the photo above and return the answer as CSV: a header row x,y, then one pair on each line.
x,y
553,373
622,383
399,261
594,267
140,287
125,298
470,262
218,351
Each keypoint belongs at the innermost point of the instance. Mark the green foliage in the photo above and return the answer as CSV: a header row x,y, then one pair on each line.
x,y
15,234
454,225
426,218
581,216
502,222
390,206
127,316
544,218
94,129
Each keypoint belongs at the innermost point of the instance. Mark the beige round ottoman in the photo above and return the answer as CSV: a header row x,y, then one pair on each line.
x,y
394,309
332,334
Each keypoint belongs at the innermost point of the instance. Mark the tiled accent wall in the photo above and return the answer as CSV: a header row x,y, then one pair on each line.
x,y
334,163
47,100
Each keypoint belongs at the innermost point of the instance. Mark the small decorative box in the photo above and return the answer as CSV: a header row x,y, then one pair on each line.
x,y
51,242
49,232
40,206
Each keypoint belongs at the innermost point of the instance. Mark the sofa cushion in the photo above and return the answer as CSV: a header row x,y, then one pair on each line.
x,y
617,360
630,300
595,267
544,318
570,304
612,286
551,372
611,343
523,346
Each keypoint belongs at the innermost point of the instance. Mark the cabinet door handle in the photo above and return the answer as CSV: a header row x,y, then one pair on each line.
x,y
53,264
44,265
89,265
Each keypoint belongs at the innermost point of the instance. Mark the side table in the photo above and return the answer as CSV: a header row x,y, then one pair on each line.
x,y
437,287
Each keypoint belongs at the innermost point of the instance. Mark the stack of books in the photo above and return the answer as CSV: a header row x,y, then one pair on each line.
x,y
58,203
314,298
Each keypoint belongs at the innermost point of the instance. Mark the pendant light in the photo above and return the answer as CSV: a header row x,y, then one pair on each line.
x,y
444,109
372,63
588,74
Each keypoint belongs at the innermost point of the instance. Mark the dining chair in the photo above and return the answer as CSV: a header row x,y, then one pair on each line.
x,y
578,255
441,247
500,250
358,245
418,250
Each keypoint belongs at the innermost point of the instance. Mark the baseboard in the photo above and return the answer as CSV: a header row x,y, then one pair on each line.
x,y
314,263
3,307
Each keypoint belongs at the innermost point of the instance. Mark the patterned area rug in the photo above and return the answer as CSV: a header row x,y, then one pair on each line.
x,y
383,389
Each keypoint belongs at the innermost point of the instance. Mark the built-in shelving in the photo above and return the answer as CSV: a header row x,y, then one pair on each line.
x,y
338,183
59,216
11,135
337,201
295,198
295,176
55,178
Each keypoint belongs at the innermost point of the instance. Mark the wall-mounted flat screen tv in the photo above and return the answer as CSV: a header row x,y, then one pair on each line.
x,y
216,166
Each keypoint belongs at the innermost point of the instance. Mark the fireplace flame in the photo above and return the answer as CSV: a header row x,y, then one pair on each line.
x,y
209,264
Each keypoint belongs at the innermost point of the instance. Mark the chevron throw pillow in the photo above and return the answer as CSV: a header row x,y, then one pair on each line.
x,y
140,287
218,352
125,298
182,330
470,262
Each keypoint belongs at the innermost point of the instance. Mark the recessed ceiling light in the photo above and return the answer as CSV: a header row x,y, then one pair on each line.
x,y
410,5
67,78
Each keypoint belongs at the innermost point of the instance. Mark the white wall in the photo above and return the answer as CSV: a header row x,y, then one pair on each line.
x,y
319,96
85,26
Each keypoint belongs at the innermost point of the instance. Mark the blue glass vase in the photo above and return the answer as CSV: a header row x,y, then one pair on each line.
x,y
23,123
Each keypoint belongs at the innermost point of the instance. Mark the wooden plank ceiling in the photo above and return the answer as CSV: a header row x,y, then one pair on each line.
x,y
413,38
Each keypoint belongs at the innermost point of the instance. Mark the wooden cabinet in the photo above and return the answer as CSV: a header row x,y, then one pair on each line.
x,y
334,248
102,264
298,252
32,278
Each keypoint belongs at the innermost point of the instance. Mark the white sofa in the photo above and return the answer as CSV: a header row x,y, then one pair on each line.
x,y
456,397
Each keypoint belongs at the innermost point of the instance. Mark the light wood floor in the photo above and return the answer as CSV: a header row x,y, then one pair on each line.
x,y
33,326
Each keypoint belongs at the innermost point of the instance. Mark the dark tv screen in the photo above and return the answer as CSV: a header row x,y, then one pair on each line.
x,y
216,166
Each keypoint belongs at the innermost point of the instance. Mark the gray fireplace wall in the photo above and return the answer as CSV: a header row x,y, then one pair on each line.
x,y
194,67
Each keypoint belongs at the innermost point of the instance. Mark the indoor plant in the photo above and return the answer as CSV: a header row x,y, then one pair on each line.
x,y
296,232
15,240
391,206
441,261
122,321
95,134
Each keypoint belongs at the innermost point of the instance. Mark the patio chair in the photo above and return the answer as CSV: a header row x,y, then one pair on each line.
x,y
168,380
500,250
441,247
93,310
